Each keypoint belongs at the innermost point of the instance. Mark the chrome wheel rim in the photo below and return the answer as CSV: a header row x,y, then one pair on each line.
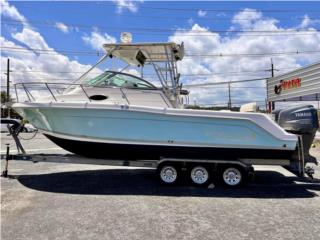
x,y
168,174
232,176
199,175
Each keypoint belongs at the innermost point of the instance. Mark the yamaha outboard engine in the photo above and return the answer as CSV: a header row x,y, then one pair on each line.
x,y
303,121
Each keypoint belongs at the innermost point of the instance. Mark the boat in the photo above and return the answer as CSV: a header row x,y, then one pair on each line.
x,y
119,115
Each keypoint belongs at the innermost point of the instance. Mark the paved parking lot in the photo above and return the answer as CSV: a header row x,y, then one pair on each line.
x,y
69,201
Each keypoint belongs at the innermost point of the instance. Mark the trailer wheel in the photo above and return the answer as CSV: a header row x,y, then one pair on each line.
x,y
199,175
168,173
233,176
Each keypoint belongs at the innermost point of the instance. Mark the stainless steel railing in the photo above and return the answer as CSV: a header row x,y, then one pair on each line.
x,y
55,89
52,89
39,86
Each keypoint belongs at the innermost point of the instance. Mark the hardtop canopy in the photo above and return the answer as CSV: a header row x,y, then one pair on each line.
x,y
137,54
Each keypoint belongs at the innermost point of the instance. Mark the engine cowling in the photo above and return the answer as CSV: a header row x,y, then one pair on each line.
x,y
301,120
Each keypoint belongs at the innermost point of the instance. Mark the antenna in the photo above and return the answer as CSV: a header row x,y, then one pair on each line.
x,y
126,37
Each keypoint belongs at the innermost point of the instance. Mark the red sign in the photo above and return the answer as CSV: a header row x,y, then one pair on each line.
x,y
287,84
293,83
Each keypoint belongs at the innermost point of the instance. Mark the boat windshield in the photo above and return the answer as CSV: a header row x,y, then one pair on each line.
x,y
119,79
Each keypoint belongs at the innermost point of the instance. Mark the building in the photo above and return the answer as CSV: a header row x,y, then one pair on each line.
x,y
302,84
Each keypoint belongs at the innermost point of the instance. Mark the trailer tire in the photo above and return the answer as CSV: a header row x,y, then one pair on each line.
x,y
199,175
233,176
168,173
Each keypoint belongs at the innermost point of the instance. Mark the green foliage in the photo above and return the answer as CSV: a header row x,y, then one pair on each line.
x,y
216,108
4,111
234,109
24,121
3,97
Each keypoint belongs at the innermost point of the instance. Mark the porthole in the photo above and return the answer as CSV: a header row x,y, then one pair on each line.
x,y
98,97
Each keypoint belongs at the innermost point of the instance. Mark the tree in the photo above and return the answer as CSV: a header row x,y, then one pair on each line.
x,y
3,97
4,110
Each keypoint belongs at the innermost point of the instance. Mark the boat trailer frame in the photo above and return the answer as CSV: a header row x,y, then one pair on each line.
x,y
299,170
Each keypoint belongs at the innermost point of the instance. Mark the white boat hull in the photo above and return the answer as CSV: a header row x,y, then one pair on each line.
x,y
132,132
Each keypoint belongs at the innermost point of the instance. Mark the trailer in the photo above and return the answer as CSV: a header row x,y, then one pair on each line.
x,y
200,172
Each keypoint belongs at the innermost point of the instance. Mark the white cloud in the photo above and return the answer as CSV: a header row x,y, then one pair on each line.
x,y
34,66
308,22
250,19
62,27
198,39
10,11
248,14
202,13
132,71
31,38
190,21
97,39
129,5
30,66
201,41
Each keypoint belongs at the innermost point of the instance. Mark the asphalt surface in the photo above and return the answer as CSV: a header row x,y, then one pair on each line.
x,y
71,201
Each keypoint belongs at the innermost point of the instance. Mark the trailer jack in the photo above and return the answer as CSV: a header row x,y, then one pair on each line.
x,y
309,171
9,157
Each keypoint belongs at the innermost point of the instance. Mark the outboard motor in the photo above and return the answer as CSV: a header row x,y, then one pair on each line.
x,y
303,121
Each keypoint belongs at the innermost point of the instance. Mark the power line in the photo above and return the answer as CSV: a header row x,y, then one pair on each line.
x,y
230,10
50,51
153,7
152,75
220,10
218,83
182,75
153,29
209,34
186,32
39,71
66,83
216,18
194,74
48,78
72,52
211,18
251,54
187,85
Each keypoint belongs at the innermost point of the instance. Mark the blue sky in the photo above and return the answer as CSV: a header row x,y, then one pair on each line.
x,y
106,17
83,26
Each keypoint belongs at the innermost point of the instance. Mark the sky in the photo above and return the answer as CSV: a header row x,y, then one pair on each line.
x,y
57,41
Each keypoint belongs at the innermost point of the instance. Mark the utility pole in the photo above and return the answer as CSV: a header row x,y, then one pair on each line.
x,y
8,80
271,104
8,86
272,75
229,91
